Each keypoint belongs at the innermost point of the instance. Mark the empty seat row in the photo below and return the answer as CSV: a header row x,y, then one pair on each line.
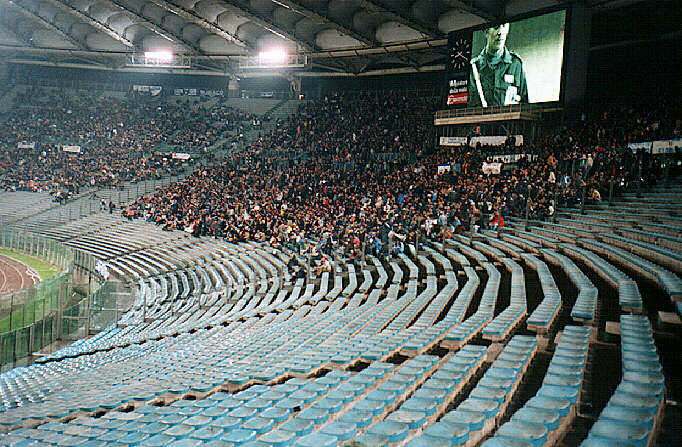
x,y
544,419
480,413
632,415
629,298
515,313
585,307
545,315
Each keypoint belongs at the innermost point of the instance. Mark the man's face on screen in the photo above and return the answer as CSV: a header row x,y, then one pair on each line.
x,y
496,37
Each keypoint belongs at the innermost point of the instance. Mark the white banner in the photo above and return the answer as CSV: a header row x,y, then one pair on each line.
x,y
491,168
194,92
26,145
453,141
443,169
637,146
658,146
666,146
74,149
180,156
512,158
496,140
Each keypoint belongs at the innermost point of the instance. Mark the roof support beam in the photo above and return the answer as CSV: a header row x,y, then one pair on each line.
x,y
102,27
295,6
191,16
477,10
12,30
375,6
269,25
388,48
52,27
166,34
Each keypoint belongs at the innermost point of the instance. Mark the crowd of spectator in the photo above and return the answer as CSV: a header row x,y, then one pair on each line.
x,y
318,177
120,139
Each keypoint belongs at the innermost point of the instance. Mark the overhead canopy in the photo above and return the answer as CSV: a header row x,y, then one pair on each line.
x,y
337,35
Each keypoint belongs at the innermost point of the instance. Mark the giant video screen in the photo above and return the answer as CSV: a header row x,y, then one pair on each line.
x,y
507,63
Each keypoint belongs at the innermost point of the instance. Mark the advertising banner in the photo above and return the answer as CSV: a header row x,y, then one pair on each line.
x,y
442,169
74,149
453,141
180,156
26,145
491,168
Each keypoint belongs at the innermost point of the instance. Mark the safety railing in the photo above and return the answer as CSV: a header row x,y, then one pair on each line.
x,y
59,308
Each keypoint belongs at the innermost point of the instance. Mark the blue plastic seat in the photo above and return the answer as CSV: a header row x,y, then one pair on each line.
x,y
340,430
428,407
456,434
549,419
473,420
536,434
359,418
391,431
316,440
413,419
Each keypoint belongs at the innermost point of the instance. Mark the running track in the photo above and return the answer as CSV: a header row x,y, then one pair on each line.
x,y
15,275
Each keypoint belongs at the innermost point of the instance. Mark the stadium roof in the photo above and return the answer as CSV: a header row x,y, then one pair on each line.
x,y
332,36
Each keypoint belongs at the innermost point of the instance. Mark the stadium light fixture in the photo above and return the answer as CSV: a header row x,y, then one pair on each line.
x,y
159,56
275,56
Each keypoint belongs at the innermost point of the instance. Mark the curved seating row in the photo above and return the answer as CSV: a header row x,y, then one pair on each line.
x,y
668,281
544,419
420,411
515,313
545,315
585,307
472,326
629,297
480,413
633,414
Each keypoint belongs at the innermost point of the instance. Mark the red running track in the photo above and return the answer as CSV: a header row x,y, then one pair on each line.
x,y
15,275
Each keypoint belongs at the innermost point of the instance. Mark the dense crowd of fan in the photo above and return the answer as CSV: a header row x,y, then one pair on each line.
x,y
365,170
120,138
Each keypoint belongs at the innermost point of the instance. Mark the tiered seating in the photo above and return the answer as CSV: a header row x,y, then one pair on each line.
x,y
585,306
544,316
514,314
668,281
629,297
633,414
545,418
472,326
480,413
429,399
222,344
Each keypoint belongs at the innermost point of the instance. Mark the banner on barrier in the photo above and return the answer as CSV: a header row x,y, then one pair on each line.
x,y
181,156
74,149
658,146
512,158
491,168
26,145
666,146
453,141
646,146
153,90
200,92
442,169
494,140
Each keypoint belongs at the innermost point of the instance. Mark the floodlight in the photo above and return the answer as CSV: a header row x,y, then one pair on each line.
x,y
160,56
275,56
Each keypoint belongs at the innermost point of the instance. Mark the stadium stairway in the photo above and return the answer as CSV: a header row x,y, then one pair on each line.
x,y
492,339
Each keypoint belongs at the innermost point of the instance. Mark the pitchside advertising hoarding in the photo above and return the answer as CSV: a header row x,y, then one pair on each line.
x,y
507,63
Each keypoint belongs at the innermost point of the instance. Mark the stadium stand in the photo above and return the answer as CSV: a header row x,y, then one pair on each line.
x,y
326,285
